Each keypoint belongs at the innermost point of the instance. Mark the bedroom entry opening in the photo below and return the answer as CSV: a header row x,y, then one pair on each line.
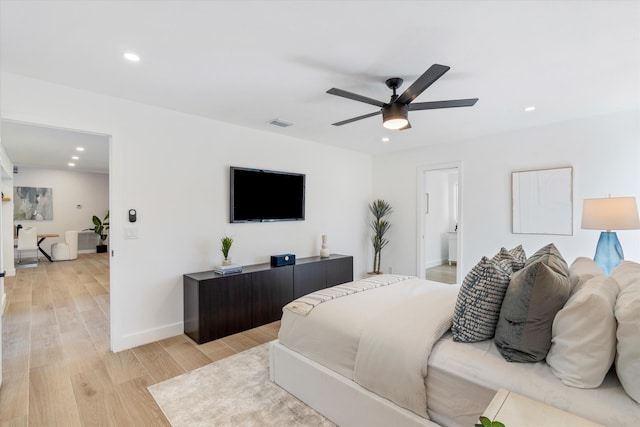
x,y
439,222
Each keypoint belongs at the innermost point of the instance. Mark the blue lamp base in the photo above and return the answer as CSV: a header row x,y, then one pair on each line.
x,y
608,252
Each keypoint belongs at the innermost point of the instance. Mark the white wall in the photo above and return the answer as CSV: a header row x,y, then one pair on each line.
x,y
173,168
69,189
604,152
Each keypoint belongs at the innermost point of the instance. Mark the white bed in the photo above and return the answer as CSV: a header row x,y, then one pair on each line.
x,y
341,359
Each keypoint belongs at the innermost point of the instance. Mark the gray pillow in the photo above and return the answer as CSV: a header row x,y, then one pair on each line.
x,y
534,295
515,256
479,300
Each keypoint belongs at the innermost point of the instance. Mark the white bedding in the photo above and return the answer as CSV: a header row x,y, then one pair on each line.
x,y
481,364
356,336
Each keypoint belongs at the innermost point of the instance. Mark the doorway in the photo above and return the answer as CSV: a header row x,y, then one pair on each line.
x,y
439,218
41,155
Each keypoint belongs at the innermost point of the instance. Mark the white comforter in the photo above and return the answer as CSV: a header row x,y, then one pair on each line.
x,y
359,336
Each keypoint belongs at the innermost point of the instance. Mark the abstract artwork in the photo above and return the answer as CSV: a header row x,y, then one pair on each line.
x,y
32,203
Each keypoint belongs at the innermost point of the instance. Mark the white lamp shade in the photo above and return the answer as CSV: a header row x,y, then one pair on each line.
x,y
613,213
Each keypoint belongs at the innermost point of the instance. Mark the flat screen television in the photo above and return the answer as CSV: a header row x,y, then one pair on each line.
x,y
258,195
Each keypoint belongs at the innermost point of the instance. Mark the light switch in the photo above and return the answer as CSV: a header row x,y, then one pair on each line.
x,y
130,233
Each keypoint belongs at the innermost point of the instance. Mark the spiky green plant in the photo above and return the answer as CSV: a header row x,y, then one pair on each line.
x,y
380,209
226,246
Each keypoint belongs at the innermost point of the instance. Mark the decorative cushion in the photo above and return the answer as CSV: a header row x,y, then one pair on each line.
x,y
479,300
627,313
626,273
583,343
515,256
583,269
534,295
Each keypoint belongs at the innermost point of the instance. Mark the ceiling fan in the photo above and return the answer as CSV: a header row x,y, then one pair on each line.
x,y
395,113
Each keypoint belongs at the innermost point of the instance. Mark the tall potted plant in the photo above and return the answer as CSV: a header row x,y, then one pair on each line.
x,y
380,209
101,228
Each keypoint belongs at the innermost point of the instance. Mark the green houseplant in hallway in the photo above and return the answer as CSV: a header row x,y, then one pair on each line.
x,y
380,209
101,228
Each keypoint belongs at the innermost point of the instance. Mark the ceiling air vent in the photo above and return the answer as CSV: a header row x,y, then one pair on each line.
x,y
281,123
15,169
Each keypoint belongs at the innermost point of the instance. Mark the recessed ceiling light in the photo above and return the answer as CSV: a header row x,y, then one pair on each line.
x,y
131,56
532,108
79,148
75,157
385,139
71,164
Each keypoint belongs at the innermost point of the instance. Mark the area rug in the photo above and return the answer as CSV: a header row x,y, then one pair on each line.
x,y
235,391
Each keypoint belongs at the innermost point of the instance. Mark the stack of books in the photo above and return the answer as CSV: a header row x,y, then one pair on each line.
x,y
227,269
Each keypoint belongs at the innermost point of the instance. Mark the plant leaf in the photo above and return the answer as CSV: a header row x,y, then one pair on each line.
x,y
486,422
497,424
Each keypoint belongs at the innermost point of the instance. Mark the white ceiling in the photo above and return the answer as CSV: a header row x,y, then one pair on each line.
x,y
247,62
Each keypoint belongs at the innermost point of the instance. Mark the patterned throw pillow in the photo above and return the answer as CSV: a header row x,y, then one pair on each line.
x,y
516,257
479,300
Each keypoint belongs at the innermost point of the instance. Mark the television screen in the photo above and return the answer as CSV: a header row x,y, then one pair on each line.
x,y
258,195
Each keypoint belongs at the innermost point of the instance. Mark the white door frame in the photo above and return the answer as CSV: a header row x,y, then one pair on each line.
x,y
420,226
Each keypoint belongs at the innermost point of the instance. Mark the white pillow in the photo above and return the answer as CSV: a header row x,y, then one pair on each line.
x,y
628,358
626,273
583,269
583,335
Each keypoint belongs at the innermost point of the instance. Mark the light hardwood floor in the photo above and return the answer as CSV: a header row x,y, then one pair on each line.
x,y
57,366
444,273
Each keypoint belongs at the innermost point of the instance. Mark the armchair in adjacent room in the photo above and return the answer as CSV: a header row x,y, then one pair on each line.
x,y
27,241
66,250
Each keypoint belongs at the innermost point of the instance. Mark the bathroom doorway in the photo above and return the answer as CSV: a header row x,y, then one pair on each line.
x,y
439,223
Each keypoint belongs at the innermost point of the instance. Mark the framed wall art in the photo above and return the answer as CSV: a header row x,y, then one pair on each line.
x,y
542,201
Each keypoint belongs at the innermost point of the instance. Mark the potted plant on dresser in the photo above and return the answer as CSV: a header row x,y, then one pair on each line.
x,y
101,228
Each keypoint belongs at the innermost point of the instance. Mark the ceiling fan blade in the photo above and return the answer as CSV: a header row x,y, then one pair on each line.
x,y
424,81
344,122
443,104
355,97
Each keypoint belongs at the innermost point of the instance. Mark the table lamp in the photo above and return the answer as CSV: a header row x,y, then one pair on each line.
x,y
612,213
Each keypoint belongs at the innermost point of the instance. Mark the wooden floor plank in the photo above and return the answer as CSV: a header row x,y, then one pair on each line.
x,y
51,398
14,397
158,362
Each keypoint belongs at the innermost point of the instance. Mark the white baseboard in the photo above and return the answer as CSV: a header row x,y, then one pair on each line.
x,y
136,339
86,251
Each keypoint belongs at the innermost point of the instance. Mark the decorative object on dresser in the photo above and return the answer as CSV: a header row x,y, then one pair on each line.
x,y
226,246
282,260
612,213
217,305
324,252
380,209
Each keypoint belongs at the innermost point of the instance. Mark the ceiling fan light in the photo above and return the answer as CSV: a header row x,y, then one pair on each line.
x,y
395,124
394,116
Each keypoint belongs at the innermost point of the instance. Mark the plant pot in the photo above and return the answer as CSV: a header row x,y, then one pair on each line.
x,y
100,249
226,261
